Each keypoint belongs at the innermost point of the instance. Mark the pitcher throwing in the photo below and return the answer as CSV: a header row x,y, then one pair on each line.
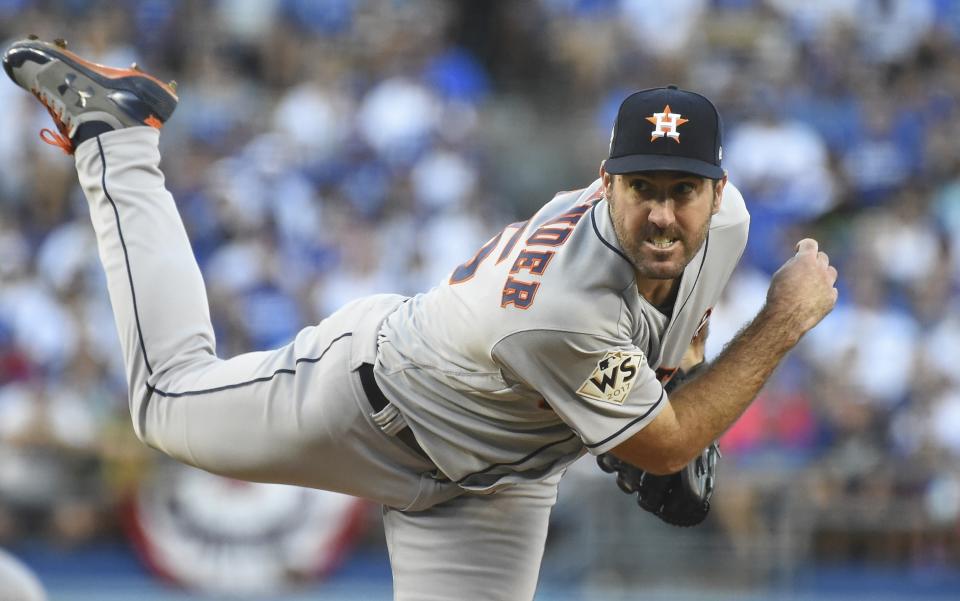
x,y
460,408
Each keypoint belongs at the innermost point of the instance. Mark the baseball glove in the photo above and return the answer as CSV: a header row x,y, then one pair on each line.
x,y
680,499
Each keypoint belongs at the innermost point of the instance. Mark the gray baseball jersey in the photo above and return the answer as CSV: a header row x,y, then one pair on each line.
x,y
541,347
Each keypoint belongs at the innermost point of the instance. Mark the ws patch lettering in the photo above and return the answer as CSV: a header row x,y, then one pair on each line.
x,y
614,377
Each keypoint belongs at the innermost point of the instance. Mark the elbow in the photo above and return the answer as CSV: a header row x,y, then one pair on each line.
x,y
669,455
667,465
663,447
659,462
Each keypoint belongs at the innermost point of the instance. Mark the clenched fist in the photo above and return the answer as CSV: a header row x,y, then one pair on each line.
x,y
803,290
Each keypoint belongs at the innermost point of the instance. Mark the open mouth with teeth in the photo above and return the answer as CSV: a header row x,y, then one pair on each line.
x,y
661,242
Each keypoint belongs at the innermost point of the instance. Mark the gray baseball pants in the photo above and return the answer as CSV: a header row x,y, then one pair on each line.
x,y
295,415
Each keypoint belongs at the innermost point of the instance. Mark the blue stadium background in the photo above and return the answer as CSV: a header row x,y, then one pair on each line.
x,y
328,149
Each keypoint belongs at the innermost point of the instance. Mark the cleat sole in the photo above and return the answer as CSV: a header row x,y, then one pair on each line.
x,y
159,95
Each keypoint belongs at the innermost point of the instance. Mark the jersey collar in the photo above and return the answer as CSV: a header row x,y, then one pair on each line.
x,y
602,225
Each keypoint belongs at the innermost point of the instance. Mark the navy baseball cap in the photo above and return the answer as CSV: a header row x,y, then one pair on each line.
x,y
666,129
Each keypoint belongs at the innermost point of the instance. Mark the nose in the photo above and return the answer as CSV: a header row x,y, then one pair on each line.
x,y
661,214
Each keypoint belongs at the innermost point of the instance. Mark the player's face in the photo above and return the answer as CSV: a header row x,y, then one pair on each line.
x,y
661,218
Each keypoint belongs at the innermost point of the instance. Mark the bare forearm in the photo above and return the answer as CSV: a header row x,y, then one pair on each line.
x,y
801,293
701,409
709,404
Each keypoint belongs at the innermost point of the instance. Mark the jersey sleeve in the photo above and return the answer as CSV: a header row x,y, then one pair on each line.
x,y
604,390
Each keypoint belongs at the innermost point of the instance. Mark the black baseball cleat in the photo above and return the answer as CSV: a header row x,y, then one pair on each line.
x,y
86,99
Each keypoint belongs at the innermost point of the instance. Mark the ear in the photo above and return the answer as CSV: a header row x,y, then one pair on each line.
x,y
718,193
607,180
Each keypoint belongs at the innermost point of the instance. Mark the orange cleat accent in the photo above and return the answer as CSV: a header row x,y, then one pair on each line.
x,y
82,96
61,139
54,139
114,73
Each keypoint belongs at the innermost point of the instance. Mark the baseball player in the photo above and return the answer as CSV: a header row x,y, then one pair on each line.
x,y
458,409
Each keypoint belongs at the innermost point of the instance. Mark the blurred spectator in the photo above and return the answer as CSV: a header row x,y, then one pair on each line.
x,y
48,471
891,29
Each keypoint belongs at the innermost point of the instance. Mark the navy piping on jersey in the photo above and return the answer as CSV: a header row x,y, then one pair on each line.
x,y
518,461
126,257
623,429
593,220
703,260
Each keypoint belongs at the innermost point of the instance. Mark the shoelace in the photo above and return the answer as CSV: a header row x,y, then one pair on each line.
x,y
61,139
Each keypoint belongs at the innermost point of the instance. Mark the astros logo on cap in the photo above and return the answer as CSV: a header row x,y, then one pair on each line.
x,y
666,124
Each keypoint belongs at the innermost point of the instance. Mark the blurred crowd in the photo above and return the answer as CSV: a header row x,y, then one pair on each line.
x,y
327,149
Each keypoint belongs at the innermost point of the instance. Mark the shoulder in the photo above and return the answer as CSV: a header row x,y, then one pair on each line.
x,y
733,210
571,278
570,199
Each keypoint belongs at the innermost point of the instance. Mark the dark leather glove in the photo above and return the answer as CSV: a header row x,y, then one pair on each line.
x,y
680,499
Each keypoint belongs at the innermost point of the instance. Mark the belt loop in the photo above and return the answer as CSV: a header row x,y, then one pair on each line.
x,y
390,420
385,414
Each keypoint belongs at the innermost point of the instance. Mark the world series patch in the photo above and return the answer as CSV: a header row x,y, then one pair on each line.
x,y
613,377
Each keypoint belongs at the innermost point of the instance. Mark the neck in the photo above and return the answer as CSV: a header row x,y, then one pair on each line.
x,y
659,293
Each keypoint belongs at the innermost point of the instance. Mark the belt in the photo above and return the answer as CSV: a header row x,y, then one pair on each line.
x,y
379,402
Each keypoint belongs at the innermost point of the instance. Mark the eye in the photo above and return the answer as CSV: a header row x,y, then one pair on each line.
x,y
685,188
640,185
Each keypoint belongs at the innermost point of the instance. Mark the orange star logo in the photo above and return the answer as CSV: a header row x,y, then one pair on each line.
x,y
665,124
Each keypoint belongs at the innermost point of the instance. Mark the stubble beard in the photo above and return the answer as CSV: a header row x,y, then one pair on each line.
x,y
634,250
